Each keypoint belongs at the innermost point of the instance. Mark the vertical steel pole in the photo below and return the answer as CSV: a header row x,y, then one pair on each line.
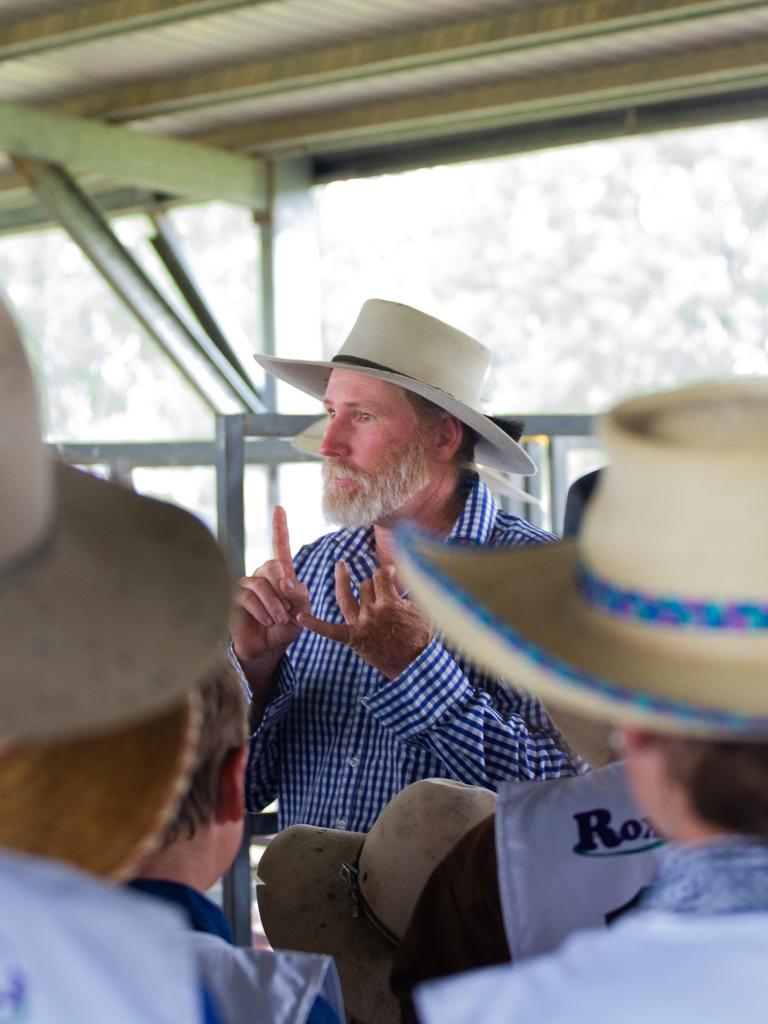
x,y
558,481
230,467
266,224
534,484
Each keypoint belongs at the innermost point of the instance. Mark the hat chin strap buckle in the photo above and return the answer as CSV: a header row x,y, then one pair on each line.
x,y
349,873
350,876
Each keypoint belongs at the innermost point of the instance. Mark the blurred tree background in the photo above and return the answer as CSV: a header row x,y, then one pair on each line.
x,y
590,271
103,378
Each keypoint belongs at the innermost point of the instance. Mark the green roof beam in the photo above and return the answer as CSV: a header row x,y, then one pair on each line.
x,y
132,158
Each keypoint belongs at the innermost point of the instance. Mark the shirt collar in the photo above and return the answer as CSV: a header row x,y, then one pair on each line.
x,y
474,525
203,914
350,544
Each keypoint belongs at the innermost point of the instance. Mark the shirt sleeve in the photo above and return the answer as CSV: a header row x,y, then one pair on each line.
x,y
234,662
481,737
261,777
262,772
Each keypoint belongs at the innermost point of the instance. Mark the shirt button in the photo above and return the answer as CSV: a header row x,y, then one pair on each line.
x,y
354,762
340,823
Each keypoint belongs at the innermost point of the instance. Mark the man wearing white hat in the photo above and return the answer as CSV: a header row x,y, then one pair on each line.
x,y
354,694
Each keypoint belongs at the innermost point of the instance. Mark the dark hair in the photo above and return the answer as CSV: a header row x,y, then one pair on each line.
x,y
224,728
726,782
465,454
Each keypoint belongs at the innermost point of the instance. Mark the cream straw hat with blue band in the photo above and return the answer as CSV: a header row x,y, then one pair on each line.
x,y
658,613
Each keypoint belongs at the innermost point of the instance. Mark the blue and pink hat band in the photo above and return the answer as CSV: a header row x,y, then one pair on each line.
x,y
669,611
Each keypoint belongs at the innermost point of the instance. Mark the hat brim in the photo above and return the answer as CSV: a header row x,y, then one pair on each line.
x,y
118,615
516,613
99,803
504,487
309,909
494,447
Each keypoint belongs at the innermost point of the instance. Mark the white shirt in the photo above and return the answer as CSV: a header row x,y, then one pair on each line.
x,y
264,986
73,949
650,967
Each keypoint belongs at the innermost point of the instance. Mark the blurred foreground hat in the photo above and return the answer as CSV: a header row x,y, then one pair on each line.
x,y
658,613
310,439
102,802
402,345
111,604
351,895
112,609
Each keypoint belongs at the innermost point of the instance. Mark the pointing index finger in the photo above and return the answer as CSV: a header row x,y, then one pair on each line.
x,y
281,542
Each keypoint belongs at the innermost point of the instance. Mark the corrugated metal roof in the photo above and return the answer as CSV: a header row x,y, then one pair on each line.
x,y
331,77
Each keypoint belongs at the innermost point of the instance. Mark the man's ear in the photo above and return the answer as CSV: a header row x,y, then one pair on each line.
x,y
231,803
449,434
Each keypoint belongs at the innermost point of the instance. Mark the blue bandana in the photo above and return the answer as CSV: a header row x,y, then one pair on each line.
x,y
728,875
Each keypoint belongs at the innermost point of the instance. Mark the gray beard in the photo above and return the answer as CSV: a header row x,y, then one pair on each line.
x,y
379,496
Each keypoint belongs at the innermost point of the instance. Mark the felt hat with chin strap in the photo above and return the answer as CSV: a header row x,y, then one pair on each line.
x,y
310,439
657,614
351,895
113,608
401,345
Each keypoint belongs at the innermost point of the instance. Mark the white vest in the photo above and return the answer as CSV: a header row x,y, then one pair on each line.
x,y
264,985
569,851
75,949
650,968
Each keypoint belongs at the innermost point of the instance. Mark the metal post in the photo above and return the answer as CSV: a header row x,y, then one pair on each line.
x,y
121,472
534,483
230,466
266,225
558,476
168,248
237,892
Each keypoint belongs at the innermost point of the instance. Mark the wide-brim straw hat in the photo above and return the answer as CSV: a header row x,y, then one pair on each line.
x,y
113,609
310,439
658,613
401,345
352,895
112,605
100,803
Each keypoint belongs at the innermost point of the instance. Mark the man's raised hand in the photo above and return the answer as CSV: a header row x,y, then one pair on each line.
x,y
385,629
268,602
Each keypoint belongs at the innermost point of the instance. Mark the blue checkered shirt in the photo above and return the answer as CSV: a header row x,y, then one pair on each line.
x,y
338,739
